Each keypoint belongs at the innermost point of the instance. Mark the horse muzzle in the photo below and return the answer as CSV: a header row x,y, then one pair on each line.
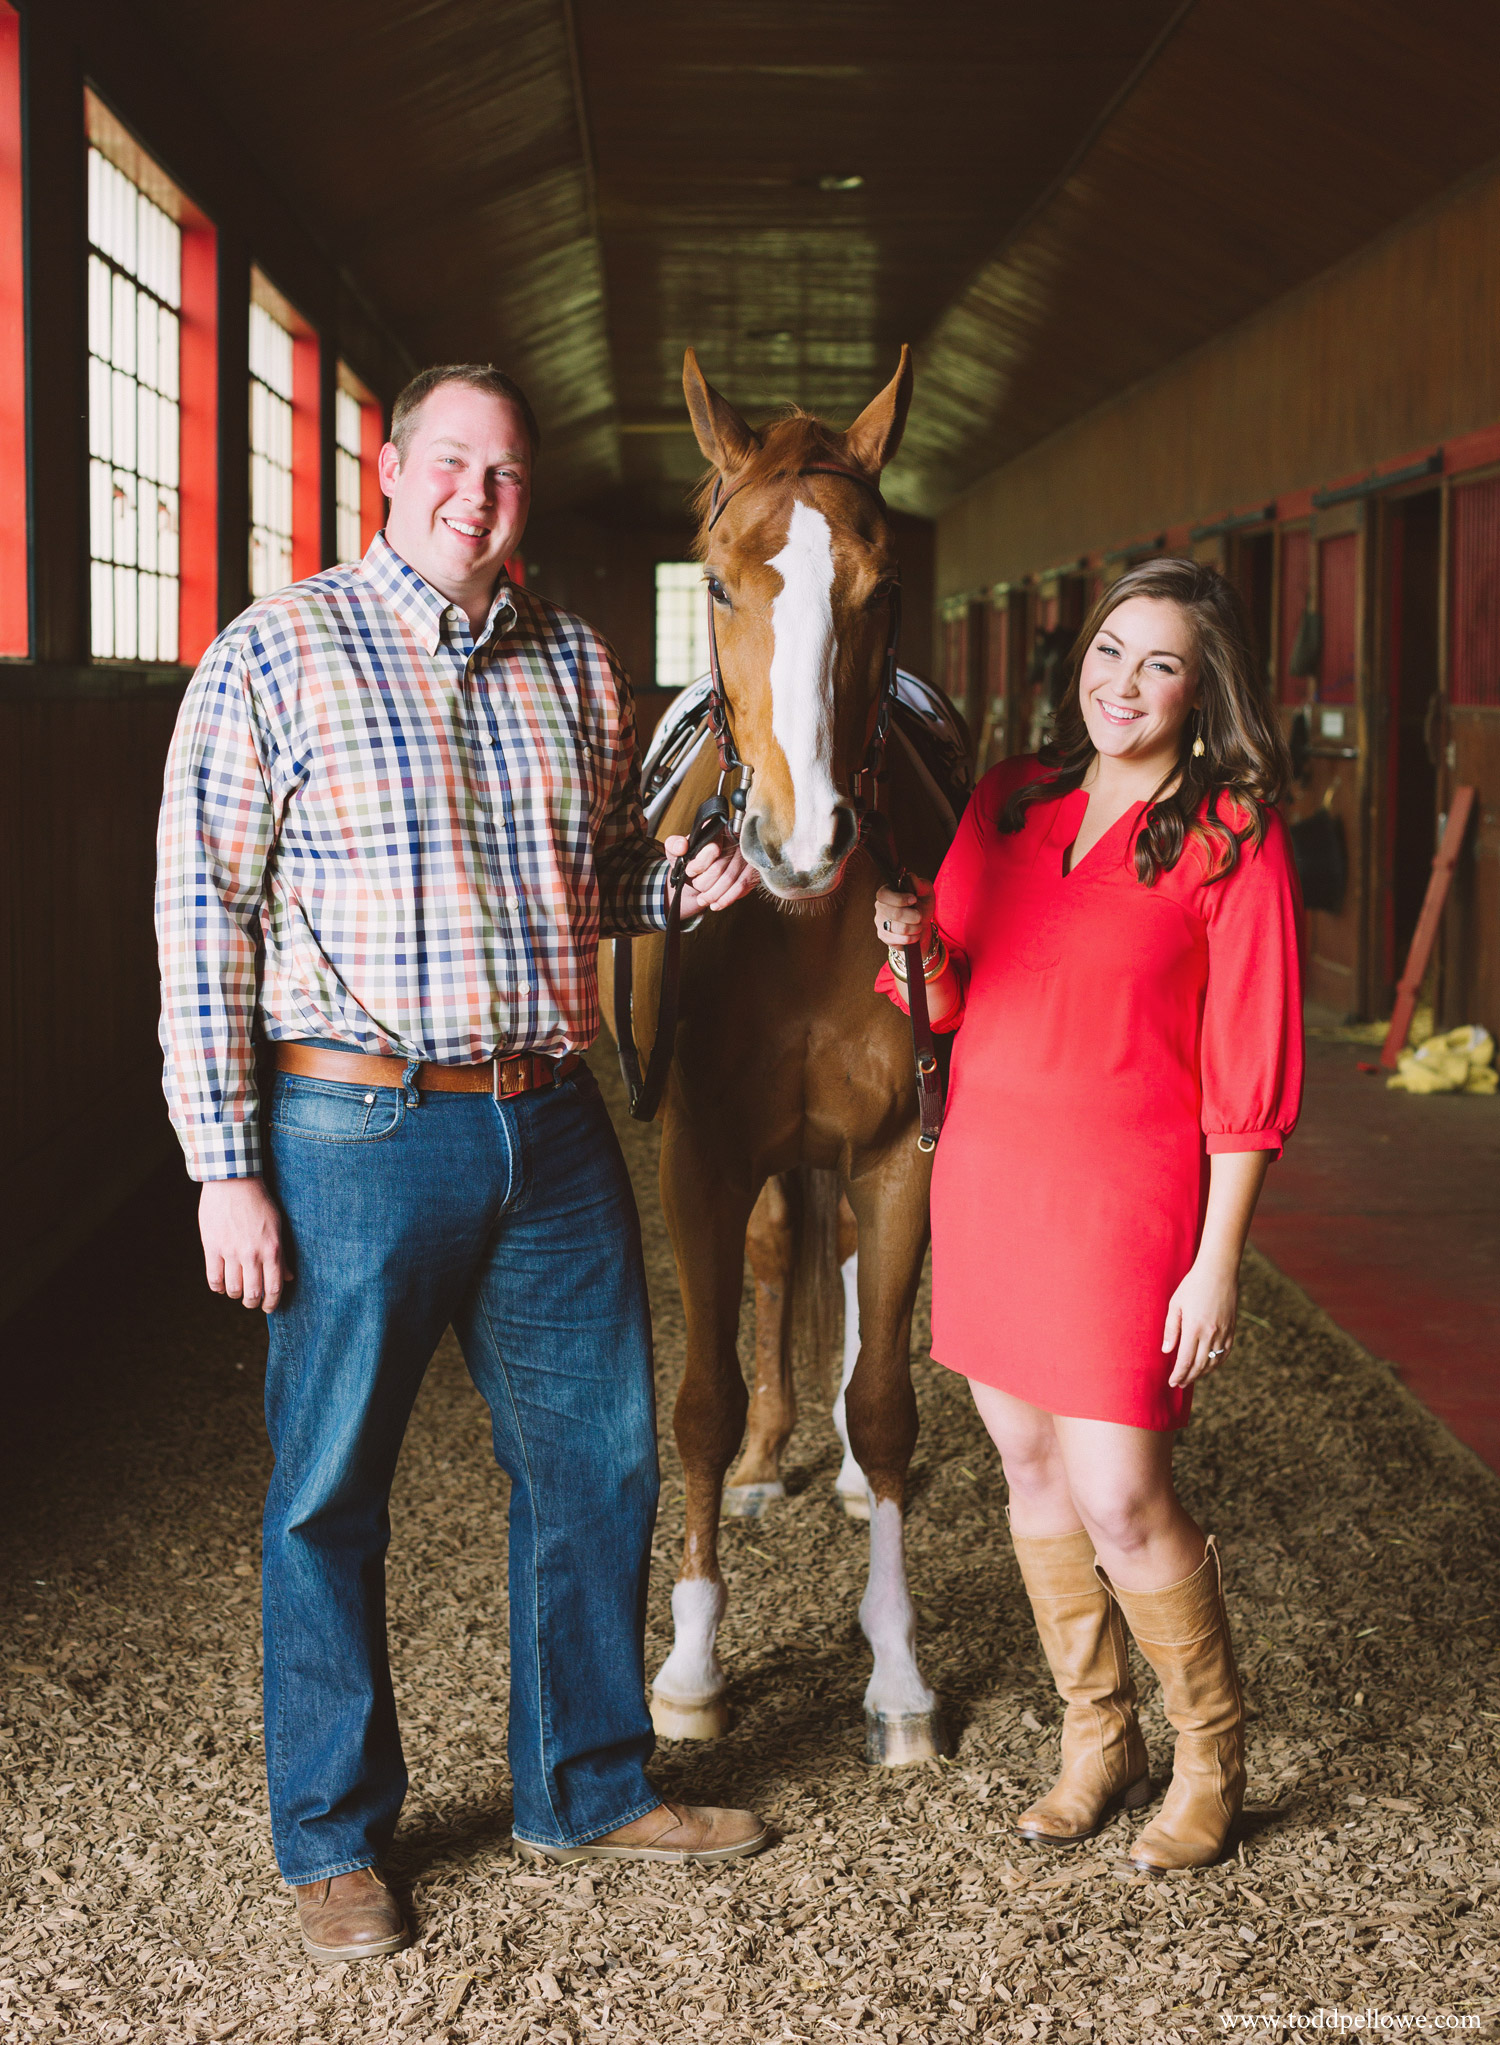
x,y
782,876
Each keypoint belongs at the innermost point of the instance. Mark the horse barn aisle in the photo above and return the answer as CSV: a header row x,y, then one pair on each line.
x,y
140,1902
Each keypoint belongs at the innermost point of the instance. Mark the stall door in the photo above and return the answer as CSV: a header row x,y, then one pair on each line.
x,y
1324,570
1471,753
1411,735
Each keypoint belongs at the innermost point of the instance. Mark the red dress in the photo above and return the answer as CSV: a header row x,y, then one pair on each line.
x,y
1112,1038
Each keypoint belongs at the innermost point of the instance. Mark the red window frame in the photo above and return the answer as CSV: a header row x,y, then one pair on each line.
x,y
372,438
199,457
15,608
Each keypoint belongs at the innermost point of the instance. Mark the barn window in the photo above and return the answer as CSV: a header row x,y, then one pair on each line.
x,y
153,285
135,294
1474,546
285,512
347,436
357,438
270,453
681,624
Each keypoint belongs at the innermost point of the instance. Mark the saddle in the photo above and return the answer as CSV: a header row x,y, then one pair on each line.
x,y
927,725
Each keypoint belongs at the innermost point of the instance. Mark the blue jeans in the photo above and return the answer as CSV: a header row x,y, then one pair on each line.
x,y
513,1220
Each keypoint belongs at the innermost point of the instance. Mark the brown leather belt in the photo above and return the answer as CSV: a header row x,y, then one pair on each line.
x,y
500,1077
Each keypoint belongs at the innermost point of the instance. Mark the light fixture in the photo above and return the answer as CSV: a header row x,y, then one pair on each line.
x,y
835,181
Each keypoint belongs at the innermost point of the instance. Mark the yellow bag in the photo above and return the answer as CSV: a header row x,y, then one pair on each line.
x,y
1457,1061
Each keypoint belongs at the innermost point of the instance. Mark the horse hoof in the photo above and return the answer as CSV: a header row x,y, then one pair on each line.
x,y
898,1741
856,1504
675,1721
749,1501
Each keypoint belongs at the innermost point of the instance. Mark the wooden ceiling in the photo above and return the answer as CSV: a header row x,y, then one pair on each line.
x,y
1055,197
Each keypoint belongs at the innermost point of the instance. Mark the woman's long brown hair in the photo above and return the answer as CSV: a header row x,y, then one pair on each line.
x,y
1244,753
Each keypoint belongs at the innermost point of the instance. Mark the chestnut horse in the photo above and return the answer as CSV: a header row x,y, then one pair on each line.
x,y
785,1055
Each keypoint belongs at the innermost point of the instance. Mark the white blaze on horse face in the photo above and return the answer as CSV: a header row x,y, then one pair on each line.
x,y
802,668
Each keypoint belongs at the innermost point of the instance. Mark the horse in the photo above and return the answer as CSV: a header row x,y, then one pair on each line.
x,y
785,1058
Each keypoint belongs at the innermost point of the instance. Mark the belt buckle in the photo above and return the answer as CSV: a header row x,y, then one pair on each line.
x,y
511,1077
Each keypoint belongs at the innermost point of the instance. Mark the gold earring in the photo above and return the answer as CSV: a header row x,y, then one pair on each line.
x,y
1198,747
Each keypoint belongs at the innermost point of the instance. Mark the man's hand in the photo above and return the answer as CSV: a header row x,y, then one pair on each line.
x,y
241,1229
717,875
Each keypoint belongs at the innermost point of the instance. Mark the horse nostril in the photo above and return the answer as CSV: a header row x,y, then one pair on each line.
x,y
750,843
845,828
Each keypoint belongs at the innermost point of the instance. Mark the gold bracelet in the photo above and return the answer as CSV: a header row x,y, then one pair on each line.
x,y
934,963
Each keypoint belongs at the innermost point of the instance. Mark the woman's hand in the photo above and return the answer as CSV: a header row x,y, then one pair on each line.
x,y
1200,1318
1202,1311
904,919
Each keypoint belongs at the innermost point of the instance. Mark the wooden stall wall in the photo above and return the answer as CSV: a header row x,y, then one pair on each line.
x,y
82,1119
1302,451
1397,348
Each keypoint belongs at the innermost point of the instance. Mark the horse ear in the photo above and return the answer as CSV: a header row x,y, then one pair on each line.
x,y
724,437
876,434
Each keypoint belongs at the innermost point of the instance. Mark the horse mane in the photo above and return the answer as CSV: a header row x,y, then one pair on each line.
x,y
788,442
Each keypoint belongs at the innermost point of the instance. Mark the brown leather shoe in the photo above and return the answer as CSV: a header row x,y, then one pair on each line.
x,y
351,1917
675,1832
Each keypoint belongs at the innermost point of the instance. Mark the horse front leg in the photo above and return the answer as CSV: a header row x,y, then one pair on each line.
x,y
853,1492
771,1245
902,1722
706,1219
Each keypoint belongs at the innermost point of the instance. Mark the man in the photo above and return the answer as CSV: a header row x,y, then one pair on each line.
x,y
401,808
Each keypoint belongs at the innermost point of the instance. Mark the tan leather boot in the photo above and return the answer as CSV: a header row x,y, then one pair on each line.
x,y
351,1917
1183,1631
1103,1754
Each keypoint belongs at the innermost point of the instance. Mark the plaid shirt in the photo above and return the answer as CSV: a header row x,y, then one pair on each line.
x,y
377,831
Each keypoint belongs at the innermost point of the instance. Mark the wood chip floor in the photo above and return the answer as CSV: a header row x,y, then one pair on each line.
x,y
139,1901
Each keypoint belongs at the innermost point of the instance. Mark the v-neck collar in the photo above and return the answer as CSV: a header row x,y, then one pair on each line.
x,y
1066,832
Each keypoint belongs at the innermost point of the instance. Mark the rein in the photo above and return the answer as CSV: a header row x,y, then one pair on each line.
x,y
719,815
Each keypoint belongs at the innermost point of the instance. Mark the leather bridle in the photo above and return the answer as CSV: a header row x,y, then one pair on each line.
x,y
720,814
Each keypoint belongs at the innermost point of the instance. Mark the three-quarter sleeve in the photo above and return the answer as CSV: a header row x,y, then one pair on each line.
x,y
1250,1057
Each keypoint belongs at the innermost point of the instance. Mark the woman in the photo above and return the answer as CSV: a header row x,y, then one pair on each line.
x,y
1114,937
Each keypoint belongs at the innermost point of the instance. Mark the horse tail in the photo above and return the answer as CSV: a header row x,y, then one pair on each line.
x,y
817,1292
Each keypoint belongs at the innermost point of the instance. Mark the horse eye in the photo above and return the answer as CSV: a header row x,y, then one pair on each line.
x,y
717,590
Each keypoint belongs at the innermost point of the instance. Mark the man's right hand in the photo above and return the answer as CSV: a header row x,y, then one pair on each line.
x,y
241,1229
